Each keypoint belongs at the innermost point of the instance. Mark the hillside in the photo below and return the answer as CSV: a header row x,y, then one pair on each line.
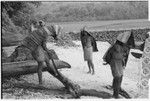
x,y
90,11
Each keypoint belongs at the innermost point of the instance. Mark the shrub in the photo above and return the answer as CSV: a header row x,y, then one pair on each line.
x,y
110,36
65,39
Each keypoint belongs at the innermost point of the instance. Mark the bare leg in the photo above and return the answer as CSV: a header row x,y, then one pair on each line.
x,y
116,87
40,66
89,67
40,62
73,88
52,67
92,67
120,82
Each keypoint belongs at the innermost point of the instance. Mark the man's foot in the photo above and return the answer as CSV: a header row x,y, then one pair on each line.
x,y
93,73
40,84
116,97
89,72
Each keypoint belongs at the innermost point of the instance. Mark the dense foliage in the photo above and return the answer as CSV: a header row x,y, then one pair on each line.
x,y
16,17
19,12
110,36
85,11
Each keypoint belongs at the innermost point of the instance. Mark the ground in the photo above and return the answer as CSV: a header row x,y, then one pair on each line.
x,y
78,74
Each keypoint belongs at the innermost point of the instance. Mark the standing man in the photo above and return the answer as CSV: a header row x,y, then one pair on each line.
x,y
117,56
36,42
89,46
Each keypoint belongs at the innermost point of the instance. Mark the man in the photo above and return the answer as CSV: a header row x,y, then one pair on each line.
x,y
36,42
117,56
89,46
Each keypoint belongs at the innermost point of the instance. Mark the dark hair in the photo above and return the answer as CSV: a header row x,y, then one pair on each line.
x,y
130,41
83,33
146,36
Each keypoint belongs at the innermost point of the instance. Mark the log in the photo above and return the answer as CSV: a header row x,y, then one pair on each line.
x,y
23,55
82,92
13,69
21,63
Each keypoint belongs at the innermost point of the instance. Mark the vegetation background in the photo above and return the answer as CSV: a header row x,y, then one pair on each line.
x,y
91,11
17,16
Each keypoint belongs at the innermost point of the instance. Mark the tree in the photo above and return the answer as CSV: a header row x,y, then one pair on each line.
x,y
20,12
16,18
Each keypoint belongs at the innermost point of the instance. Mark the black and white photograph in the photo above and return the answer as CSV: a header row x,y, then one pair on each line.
x,y
75,49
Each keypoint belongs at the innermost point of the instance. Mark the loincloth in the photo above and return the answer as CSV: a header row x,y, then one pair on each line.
x,y
88,53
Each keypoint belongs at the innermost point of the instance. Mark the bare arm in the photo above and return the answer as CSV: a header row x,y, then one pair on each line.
x,y
46,49
44,46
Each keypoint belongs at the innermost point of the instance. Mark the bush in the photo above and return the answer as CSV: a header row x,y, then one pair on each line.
x,y
16,18
110,36
65,39
88,11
